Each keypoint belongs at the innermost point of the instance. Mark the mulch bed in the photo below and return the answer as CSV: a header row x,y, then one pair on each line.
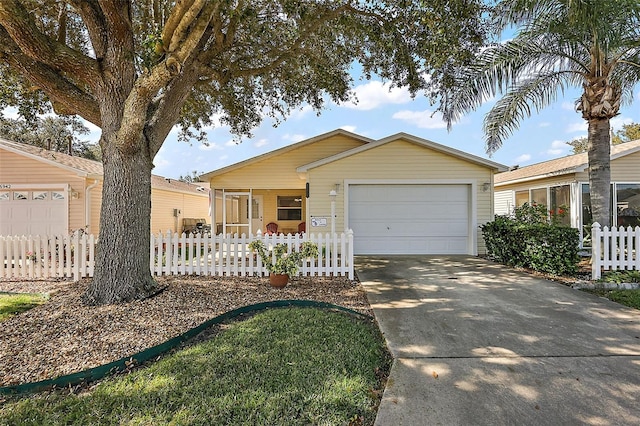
x,y
63,336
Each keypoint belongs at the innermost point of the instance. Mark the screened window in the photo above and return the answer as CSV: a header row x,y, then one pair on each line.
x,y
521,198
539,196
560,204
289,208
628,204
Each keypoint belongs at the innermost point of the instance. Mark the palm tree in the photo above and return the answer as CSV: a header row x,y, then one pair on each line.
x,y
592,44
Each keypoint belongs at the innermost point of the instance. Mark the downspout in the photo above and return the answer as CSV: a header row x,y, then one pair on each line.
x,y
87,206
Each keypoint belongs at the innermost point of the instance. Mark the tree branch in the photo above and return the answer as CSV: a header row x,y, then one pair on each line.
x,y
22,29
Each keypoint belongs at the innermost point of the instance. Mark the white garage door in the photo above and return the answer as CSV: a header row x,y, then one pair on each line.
x,y
409,219
37,212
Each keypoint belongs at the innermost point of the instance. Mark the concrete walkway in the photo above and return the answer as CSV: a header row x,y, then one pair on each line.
x,y
475,343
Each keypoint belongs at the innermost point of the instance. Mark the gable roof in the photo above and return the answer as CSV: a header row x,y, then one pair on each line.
x,y
561,166
87,168
287,148
78,165
410,138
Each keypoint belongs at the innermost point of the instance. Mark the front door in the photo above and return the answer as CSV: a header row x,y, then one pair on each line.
x,y
256,214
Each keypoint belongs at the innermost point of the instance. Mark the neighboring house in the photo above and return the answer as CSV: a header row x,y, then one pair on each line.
x,y
400,195
564,182
50,193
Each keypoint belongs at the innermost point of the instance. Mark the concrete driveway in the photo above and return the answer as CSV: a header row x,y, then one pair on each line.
x,y
475,343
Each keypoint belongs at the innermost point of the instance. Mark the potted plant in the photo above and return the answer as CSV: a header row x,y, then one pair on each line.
x,y
280,263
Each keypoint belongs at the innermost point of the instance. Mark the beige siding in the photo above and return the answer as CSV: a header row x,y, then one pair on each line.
x,y
398,160
504,202
279,171
21,170
624,169
163,204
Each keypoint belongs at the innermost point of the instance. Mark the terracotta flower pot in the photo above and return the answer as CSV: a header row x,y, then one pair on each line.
x,y
278,280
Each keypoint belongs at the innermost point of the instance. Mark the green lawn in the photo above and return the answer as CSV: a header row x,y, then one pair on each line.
x,y
291,366
630,298
11,304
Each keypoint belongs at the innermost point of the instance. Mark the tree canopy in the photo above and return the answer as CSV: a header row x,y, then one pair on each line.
x,y
135,69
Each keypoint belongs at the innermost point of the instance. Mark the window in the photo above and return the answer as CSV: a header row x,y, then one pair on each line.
x,y
19,195
40,195
290,207
628,204
57,195
539,196
4,196
560,204
521,198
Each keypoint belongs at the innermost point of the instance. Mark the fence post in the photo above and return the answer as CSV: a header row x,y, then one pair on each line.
x,y
596,251
349,254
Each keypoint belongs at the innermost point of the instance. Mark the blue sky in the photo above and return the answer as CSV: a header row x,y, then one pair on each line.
x,y
381,112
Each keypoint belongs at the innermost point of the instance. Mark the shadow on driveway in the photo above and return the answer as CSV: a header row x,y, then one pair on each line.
x,y
477,343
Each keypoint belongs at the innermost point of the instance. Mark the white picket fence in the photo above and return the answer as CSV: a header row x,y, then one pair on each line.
x,y
614,249
172,254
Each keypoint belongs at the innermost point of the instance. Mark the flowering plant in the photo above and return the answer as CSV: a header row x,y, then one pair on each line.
x,y
279,260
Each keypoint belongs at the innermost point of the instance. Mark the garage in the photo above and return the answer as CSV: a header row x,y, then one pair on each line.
x,y
410,218
33,212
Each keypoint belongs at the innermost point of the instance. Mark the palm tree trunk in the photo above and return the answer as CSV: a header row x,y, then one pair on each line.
x,y
599,153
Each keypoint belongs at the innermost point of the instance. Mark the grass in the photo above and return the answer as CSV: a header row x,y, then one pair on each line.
x,y
293,366
12,304
630,298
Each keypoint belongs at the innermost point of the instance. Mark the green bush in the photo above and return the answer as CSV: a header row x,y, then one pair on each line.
x,y
530,239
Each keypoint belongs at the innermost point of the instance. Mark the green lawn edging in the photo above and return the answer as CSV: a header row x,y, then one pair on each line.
x,y
97,373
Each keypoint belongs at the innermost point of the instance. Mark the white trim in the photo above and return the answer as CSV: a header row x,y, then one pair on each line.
x,y
472,248
12,186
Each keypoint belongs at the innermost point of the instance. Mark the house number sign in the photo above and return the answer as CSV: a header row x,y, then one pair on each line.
x,y
5,186
318,221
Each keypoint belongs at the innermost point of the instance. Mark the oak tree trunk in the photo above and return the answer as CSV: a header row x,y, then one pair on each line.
x,y
599,152
122,261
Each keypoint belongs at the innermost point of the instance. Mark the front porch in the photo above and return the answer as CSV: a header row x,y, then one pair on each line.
x,y
270,211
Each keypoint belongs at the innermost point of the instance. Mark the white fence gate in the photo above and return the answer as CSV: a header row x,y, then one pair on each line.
x,y
614,249
172,254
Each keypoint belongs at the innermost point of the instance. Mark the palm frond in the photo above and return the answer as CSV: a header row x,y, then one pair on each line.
x,y
518,103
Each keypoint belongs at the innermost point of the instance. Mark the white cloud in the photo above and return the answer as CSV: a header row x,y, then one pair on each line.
x,y
375,93
581,126
544,124
231,142
294,138
260,143
557,147
301,113
423,119
523,158
10,113
619,121
210,146
351,129
569,106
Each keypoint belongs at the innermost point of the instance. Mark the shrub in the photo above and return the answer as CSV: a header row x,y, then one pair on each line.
x,y
531,239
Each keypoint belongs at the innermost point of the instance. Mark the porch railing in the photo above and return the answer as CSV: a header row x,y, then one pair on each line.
x,y
172,254
614,249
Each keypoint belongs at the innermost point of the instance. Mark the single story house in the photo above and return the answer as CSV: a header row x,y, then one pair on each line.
x,y
400,195
564,182
45,192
